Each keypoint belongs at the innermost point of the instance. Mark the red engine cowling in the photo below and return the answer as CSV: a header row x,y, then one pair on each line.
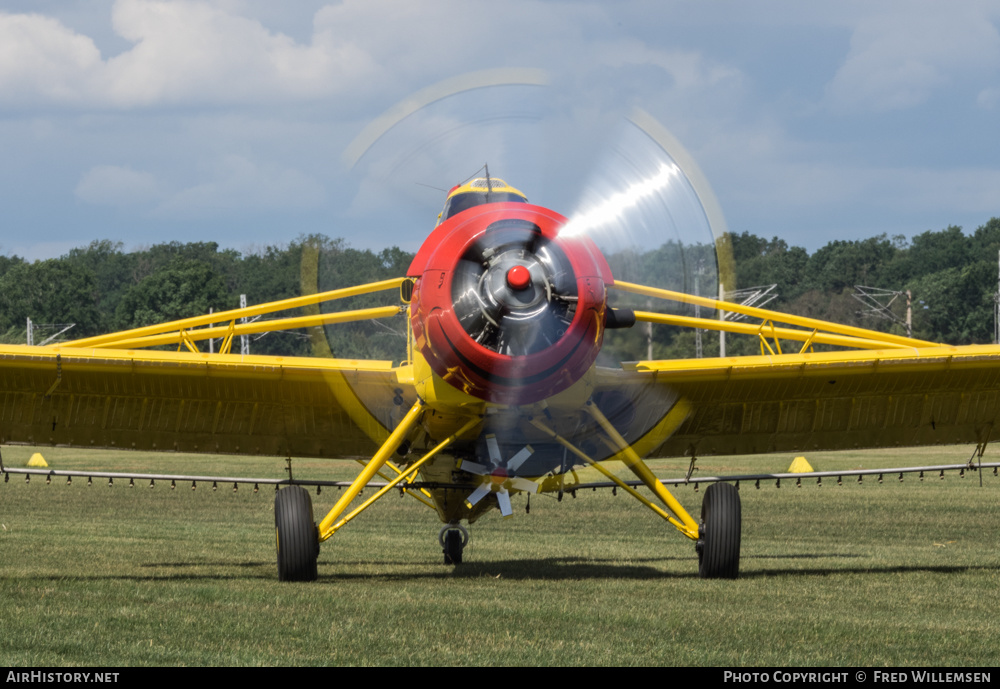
x,y
503,308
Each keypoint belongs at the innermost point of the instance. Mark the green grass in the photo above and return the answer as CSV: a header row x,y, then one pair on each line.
x,y
891,574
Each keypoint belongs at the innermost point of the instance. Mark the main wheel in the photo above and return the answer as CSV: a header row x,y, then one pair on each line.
x,y
719,545
296,535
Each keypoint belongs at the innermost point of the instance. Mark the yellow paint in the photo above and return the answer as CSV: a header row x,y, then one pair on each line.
x,y
234,314
766,315
604,472
404,475
326,527
687,525
800,466
438,392
809,337
746,401
478,185
188,337
912,361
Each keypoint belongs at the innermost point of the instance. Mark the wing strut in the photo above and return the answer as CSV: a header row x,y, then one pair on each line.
x,y
614,479
688,526
193,328
683,521
404,475
422,494
828,333
329,525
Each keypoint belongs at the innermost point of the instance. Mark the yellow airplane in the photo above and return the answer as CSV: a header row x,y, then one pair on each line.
x,y
507,309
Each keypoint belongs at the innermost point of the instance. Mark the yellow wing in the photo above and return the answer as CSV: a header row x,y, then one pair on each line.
x,y
108,391
220,403
889,391
831,401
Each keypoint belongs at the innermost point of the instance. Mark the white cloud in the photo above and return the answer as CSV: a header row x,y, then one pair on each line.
x,y
113,185
193,50
233,185
39,251
239,185
184,52
898,59
825,189
196,52
42,60
265,96
688,69
964,190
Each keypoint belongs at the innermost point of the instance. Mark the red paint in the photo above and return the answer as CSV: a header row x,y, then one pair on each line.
x,y
481,371
518,278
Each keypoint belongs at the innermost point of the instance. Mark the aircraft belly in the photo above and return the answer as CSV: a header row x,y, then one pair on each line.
x,y
450,501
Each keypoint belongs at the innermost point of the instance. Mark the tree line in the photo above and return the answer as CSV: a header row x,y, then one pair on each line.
x,y
103,288
951,276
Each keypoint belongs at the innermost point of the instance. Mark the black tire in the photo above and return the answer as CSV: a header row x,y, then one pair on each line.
x,y
296,535
453,547
719,546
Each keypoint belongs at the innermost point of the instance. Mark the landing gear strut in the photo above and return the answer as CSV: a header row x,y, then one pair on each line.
x,y
296,535
453,539
719,535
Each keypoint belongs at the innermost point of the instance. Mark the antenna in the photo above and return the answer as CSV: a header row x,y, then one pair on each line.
x,y
431,186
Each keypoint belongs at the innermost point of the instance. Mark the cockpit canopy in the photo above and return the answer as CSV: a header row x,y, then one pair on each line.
x,y
479,191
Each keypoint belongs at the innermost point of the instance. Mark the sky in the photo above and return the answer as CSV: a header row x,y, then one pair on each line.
x,y
252,123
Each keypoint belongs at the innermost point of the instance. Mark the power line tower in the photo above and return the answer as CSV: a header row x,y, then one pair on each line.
x,y
878,303
33,328
244,339
748,296
996,306
697,310
758,297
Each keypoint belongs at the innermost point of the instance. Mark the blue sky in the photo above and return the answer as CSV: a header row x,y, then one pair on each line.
x,y
228,120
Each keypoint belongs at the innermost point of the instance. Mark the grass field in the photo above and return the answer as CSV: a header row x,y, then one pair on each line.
x,y
869,575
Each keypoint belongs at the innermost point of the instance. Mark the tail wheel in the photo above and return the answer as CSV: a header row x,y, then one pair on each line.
x,y
453,548
719,545
296,534
453,539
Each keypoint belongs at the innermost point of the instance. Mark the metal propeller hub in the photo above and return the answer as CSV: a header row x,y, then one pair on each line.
x,y
515,282
517,298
